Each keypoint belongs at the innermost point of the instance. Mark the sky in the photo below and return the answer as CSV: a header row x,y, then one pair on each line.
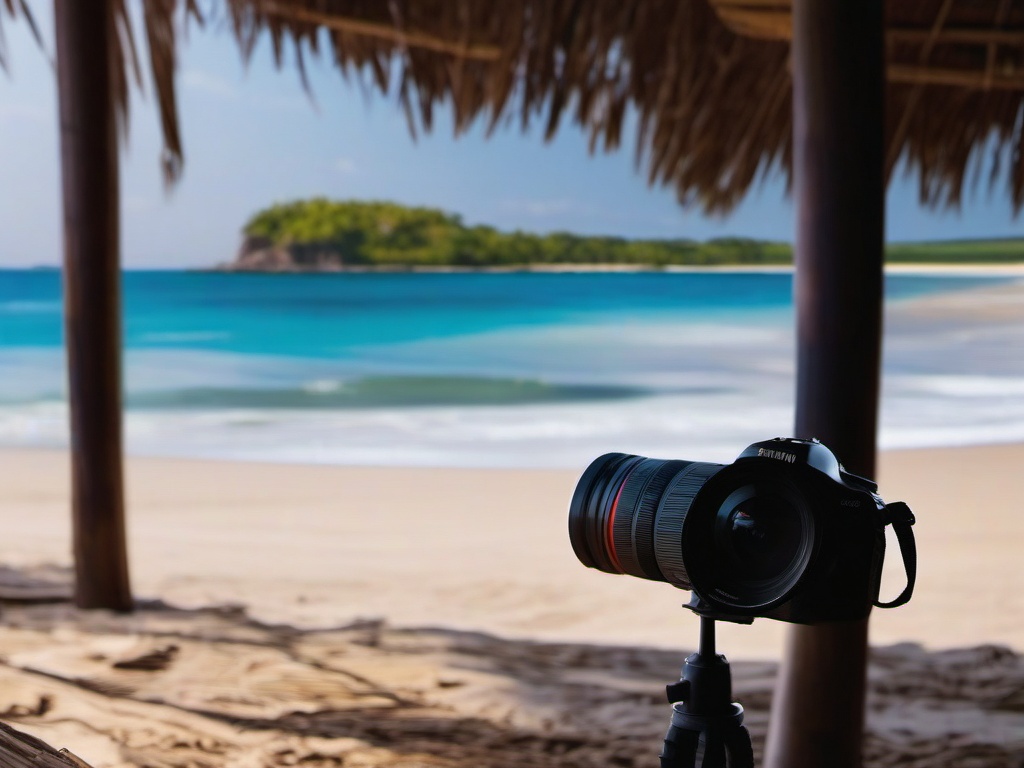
x,y
253,137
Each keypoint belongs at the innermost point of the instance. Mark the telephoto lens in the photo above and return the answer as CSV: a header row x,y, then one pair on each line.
x,y
784,531
613,517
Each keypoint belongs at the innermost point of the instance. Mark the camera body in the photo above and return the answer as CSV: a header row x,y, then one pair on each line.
x,y
784,532
840,568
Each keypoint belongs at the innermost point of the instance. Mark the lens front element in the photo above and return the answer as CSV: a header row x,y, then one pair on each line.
x,y
763,537
759,537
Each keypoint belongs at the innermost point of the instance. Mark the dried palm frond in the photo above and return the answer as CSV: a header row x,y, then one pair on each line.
x,y
14,8
160,20
706,82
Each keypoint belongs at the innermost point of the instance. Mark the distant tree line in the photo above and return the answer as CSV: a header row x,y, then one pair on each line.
x,y
386,234
320,232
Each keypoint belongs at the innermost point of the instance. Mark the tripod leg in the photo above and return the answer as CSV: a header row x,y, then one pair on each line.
x,y
737,744
714,751
680,750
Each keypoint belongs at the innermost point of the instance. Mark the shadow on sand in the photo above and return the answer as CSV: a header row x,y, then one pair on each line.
x,y
211,687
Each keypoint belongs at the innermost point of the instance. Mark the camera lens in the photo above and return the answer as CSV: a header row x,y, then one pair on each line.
x,y
757,546
627,509
593,507
741,538
759,536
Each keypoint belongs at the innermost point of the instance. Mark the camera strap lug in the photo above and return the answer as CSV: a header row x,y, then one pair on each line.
x,y
899,516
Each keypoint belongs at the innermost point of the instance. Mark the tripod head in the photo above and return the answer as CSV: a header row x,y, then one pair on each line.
x,y
706,723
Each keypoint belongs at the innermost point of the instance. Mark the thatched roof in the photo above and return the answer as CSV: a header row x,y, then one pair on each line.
x,y
707,79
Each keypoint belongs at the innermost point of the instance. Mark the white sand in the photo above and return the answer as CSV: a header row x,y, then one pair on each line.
x,y
488,549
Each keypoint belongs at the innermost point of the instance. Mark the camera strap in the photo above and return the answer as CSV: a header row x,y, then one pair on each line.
x,y
899,516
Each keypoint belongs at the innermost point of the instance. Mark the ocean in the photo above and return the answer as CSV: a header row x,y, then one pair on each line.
x,y
488,369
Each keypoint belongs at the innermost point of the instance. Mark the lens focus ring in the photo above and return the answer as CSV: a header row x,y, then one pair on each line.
x,y
670,517
634,519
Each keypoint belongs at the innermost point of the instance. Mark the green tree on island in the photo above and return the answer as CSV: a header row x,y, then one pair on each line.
x,y
326,234
381,234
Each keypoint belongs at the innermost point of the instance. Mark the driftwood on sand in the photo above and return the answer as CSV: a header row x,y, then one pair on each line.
x,y
19,750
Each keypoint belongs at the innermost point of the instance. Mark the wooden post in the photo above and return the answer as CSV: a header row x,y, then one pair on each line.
x,y
838,136
92,302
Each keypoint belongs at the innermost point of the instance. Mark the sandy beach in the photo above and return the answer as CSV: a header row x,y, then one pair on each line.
x,y
487,550
439,617
331,615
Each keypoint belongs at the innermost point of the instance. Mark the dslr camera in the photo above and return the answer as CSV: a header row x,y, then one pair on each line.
x,y
784,532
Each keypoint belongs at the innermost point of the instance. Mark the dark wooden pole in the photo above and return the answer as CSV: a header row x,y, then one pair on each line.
x,y
838,96
92,301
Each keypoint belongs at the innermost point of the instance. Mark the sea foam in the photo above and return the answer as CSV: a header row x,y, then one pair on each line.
x,y
495,370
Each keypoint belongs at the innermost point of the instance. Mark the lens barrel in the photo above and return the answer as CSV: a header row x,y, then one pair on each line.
x,y
673,511
627,513
592,508
741,536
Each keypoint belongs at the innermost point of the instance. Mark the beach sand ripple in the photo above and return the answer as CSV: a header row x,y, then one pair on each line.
x,y
213,688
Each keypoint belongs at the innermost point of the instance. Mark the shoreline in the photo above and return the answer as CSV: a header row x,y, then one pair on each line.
x,y
486,549
936,269
549,395
993,269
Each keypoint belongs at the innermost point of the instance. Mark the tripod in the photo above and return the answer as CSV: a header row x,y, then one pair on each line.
x,y
704,720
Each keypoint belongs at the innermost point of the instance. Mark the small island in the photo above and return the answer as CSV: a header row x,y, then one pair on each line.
x,y
322,235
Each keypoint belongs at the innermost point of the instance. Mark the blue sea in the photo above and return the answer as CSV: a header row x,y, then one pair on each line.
x,y
491,369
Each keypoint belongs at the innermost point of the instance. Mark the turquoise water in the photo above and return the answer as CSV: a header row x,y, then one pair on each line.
x,y
431,368
327,316
335,315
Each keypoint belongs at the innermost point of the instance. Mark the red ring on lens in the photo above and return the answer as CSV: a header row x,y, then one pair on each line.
x,y
610,528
